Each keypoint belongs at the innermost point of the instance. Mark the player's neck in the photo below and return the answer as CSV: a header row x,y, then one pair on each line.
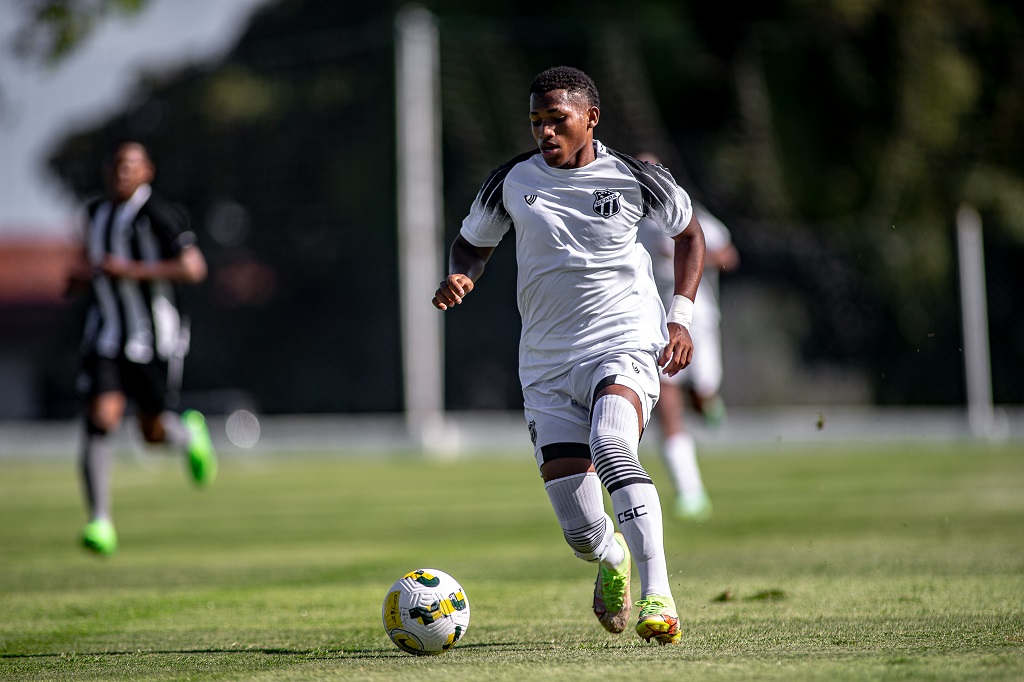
x,y
586,155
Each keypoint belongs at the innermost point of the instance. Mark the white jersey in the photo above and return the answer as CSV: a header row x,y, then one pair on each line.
x,y
585,285
706,312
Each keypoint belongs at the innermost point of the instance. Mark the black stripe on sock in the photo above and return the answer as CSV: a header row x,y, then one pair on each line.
x,y
622,483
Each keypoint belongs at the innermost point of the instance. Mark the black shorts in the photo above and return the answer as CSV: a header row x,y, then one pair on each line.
x,y
146,383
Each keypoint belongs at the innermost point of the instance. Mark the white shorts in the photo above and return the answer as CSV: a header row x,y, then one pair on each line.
x,y
558,410
704,373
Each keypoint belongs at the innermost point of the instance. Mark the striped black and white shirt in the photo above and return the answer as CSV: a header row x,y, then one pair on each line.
x,y
138,320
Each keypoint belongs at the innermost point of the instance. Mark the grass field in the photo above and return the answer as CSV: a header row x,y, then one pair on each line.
x,y
851,563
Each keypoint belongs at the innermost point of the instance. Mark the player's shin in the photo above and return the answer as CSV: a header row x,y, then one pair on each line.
x,y
94,466
614,442
638,512
579,507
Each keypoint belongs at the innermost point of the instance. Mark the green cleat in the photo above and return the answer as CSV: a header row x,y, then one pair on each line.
x,y
658,620
714,412
611,592
202,458
99,536
694,507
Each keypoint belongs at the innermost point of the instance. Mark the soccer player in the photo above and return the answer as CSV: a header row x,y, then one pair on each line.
x,y
594,331
137,248
702,380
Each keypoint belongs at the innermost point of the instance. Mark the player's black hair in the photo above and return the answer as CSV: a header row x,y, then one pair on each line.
x,y
566,78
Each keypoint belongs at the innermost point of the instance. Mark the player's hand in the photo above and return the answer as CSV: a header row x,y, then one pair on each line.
x,y
452,290
679,351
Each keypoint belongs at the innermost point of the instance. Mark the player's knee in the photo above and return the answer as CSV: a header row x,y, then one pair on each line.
x,y
104,413
102,422
613,443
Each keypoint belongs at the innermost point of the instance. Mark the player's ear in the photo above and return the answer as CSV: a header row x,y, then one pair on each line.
x,y
593,115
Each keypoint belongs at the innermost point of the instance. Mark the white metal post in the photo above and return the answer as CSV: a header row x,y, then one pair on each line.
x,y
417,80
974,312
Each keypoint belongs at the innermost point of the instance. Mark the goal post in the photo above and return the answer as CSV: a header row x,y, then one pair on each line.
x,y
420,234
974,312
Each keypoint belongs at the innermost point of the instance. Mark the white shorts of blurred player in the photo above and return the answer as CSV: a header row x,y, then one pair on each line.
x,y
703,375
558,410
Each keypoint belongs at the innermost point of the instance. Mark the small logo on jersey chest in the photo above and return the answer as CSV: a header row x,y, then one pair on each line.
x,y
606,202
530,198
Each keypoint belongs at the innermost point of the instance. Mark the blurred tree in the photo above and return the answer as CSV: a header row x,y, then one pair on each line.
x,y
856,131
52,28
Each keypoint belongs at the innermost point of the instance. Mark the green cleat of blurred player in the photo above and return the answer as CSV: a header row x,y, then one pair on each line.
x,y
99,536
138,248
202,458
694,507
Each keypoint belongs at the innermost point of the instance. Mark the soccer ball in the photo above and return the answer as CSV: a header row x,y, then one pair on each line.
x,y
425,612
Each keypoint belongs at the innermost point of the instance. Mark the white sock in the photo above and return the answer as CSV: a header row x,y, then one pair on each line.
x,y
94,465
614,441
638,510
175,433
680,452
579,508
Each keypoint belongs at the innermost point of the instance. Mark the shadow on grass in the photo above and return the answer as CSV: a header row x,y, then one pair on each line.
x,y
312,654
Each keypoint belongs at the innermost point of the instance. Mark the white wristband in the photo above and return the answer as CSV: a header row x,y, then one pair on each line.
x,y
681,311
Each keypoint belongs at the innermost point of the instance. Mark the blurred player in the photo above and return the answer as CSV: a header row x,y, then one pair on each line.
x,y
703,378
137,248
594,331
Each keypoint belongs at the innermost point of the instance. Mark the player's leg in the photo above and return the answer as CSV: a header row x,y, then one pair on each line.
x,y
186,432
711,406
704,375
702,378
104,410
692,500
578,502
615,437
559,430
620,410
679,452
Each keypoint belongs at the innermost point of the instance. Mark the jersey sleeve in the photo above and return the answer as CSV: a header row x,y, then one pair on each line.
x,y
488,219
665,202
171,225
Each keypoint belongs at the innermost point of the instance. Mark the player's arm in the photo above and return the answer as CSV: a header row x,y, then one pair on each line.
x,y
465,265
688,264
188,267
725,259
